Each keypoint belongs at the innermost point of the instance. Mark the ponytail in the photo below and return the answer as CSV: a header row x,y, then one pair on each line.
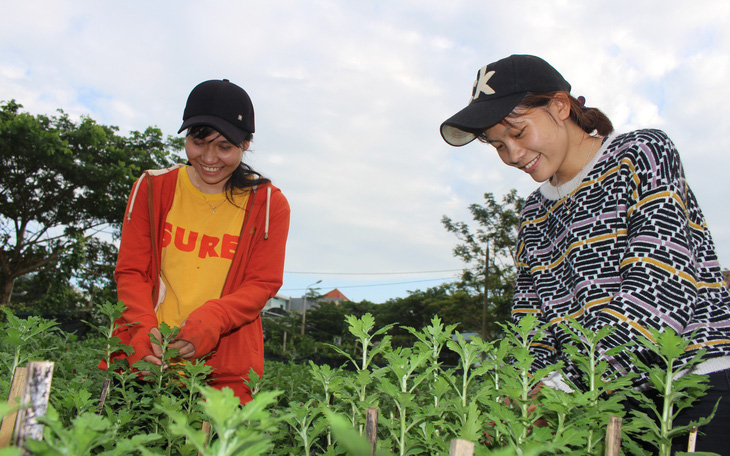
x,y
588,119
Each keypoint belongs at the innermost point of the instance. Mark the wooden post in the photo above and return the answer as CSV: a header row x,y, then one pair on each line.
x,y
371,428
35,397
102,396
206,430
613,436
692,442
16,390
460,447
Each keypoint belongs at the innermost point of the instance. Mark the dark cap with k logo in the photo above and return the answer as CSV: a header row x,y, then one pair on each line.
x,y
498,89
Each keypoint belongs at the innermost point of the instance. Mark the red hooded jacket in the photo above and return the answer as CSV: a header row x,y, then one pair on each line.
x,y
228,327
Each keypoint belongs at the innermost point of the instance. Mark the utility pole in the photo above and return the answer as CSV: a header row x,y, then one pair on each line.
x,y
485,302
283,344
304,311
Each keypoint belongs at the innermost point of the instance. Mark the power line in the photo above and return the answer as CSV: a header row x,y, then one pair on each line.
x,y
376,284
373,273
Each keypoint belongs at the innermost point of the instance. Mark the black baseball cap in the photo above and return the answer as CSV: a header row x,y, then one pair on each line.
x,y
222,105
498,89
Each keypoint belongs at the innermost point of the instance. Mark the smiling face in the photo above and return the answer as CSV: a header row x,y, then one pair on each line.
x,y
535,141
213,160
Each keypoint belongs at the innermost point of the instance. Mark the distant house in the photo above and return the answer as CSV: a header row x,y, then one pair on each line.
x,y
278,304
336,296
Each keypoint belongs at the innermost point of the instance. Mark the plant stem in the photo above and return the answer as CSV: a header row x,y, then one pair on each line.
x,y
666,446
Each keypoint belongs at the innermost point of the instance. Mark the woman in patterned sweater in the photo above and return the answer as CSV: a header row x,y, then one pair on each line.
x,y
613,236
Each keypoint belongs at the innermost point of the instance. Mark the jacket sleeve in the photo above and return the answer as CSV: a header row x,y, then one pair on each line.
x,y
132,273
261,278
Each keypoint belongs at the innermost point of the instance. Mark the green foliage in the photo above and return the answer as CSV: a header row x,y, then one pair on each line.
x,y
63,184
23,337
498,224
327,325
489,397
677,388
488,251
453,305
602,398
88,433
235,430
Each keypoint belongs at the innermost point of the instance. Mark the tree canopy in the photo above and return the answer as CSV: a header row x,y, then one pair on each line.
x,y
489,252
63,190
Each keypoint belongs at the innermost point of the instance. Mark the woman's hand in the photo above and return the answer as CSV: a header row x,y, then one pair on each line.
x,y
186,350
156,356
156,349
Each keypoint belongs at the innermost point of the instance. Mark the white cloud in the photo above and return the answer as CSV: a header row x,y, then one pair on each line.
x,y
349,97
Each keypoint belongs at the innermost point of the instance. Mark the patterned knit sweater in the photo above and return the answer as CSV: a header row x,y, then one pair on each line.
x,y
623,244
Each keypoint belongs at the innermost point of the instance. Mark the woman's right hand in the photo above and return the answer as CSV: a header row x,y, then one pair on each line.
x,y
156,356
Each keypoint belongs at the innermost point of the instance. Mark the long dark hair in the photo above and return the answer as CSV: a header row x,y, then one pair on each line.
x,y
244,177
588,119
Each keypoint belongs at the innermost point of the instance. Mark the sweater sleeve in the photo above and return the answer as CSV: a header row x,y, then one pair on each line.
x,y
658,270
261,277
134,285
527,302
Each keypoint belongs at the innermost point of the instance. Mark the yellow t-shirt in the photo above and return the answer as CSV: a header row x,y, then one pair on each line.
x,y
200,239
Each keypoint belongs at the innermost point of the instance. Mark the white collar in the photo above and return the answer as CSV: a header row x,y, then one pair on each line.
x,y
555,192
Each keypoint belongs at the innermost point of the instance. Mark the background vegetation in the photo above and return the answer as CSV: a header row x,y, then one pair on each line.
x,y
63,191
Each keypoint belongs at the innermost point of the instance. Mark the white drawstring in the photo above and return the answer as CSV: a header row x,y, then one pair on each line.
x,y
151,172
268,207
134,196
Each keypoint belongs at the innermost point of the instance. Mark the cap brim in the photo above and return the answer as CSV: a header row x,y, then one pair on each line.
x,y
464,126
232,133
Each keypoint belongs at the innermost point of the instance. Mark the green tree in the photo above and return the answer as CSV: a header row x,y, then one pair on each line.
x,y
489,252
326,322
326,325
63,190
281,333
451,304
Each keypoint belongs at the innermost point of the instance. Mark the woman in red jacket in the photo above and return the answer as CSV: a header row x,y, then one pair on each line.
x,y
203,244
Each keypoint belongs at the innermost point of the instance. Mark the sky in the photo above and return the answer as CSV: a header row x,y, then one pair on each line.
x,y
349,97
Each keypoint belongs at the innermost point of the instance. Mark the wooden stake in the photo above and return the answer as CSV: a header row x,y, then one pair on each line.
x,y
613,437
35,396
102,396
16,390
692,443
205,427
371,428
460,447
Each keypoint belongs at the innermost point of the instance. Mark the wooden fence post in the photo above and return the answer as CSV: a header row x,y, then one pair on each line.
x,y
205,427
35,396
102,396
460,447
692,442
16,391
613,436
371,428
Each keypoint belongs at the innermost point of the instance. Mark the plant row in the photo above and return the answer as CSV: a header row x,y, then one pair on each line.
x,y
490,398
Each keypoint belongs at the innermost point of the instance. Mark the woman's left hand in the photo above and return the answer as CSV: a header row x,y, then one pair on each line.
x,y
186,350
